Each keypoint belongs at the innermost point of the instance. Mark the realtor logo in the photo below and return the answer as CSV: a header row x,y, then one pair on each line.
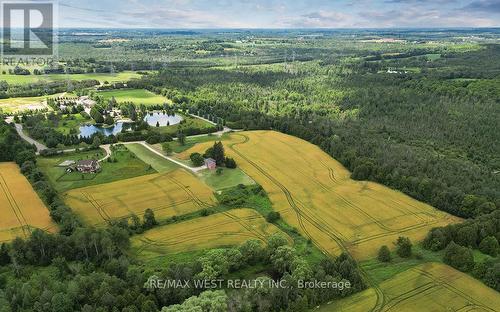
x,y
28,28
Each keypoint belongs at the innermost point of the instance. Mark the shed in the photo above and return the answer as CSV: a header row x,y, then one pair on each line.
x,y
210,163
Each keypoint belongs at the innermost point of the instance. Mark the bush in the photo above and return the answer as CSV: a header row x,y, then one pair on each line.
x,y
273,216
230,163
403,247
197,159
384,254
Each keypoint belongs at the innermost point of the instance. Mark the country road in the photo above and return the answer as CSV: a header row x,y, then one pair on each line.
x,y
39,146
107,147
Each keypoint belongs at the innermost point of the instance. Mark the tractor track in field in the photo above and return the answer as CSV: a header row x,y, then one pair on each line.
x,y
381,300
245,225
444,283
190,194
202,232
104,215
392,303
376,221
15,207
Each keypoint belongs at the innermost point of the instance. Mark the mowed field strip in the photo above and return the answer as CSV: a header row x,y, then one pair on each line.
x,y
21,209
314,193
427,287
230,228
167,194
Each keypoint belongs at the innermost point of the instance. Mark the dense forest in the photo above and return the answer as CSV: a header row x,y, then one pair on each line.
x,y
430,134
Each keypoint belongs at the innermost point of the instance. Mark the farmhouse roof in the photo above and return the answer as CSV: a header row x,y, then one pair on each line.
x,y
210,160
87,163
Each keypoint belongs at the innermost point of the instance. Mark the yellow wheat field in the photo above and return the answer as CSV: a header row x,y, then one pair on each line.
x,y
167,194
228,228
314,193
427,287
21,210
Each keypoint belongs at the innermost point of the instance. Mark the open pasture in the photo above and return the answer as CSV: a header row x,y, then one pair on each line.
x,y
13,105
169,194
428,287
230,228
136,96
21,209
314,193
101,77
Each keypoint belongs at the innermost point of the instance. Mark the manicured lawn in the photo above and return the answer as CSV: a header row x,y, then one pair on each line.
x,y
190,142
159,163
228,178
69,122
137,96
127,165
188,123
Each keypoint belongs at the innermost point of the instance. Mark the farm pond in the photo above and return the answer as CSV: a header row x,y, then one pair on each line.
x,y
163,119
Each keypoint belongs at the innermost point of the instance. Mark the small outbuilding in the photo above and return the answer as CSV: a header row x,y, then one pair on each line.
x,y
88,165
210,163
67,163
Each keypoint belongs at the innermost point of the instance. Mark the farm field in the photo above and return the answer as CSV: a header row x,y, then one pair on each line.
x,y
230,228
13,105
21,209
101,77
127,165
167,194
158,163
314,193
136,96
428,287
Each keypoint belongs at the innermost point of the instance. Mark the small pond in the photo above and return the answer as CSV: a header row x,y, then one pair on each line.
x,y
162,118
88,130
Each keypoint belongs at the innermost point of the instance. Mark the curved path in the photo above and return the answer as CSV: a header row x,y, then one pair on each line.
x,y
39,146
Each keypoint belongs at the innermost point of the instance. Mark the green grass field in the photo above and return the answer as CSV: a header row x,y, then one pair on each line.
x,y
159,163
188,123
70,122
190,142
111,78
136,96
228,178
127,165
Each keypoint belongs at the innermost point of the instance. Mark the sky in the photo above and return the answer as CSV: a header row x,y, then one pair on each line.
x,y
278,13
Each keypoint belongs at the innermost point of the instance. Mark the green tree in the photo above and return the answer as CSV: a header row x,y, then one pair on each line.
x,y
384,254
197,159
4,254
459,257
181,138
489,246
208,301
282,259
230,163
109,120
96,115
218,153
167,148
149,219
96,142
273,217
403,247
